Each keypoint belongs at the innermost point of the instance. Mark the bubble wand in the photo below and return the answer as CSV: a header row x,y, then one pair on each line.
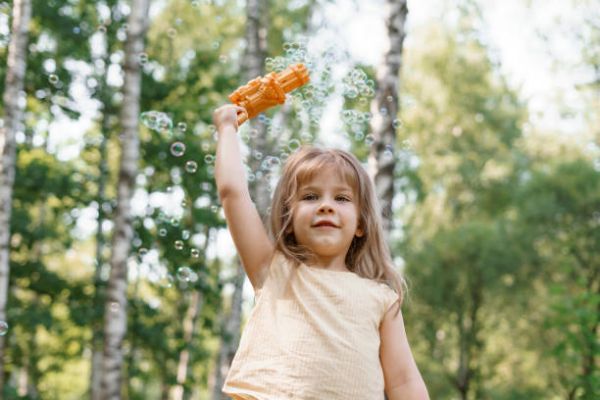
x,y
265,92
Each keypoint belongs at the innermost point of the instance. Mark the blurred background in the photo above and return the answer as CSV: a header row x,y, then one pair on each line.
x,y
478,120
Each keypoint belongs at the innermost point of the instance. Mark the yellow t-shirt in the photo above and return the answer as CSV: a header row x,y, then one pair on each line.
x,y
312,334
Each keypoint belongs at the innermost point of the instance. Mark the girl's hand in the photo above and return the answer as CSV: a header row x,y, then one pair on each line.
x,y
227,116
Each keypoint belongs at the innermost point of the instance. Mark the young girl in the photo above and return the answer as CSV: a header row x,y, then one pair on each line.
x,y
326,324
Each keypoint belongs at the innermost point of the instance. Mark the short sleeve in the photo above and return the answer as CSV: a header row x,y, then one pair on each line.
x,y
388,298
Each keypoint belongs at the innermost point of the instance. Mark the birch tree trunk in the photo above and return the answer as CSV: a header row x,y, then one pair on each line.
x,y
115,310
385,107
13,119
96,367
189,322
254,56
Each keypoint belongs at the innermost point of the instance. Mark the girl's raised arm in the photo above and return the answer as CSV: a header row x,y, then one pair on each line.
x,y
249,235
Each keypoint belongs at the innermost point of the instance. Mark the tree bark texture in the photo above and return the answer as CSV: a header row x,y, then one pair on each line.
x,y
13,119
115,309
385,107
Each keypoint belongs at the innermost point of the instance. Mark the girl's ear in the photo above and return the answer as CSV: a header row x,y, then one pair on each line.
x,y
359,232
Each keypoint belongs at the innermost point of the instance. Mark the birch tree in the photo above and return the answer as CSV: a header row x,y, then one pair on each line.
x,y
385,107
13,119
115,310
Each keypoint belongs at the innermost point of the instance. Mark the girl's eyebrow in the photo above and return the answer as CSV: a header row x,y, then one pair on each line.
x,y
341,188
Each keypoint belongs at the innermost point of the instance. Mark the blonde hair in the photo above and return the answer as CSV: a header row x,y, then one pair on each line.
x,y
368,255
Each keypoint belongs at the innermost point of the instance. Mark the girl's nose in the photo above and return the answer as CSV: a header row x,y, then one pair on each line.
x,y
325,207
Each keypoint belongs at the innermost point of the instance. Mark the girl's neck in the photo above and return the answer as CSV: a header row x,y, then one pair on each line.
x,y
334,263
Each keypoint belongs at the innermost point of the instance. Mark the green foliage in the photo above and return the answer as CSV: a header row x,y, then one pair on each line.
x,y
500,232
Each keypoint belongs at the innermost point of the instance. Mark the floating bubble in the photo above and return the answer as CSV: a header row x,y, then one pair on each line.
x,y
143,58
162,232
177,149
185,234
369,139
184,274
351,92
182,127
157,121
142,252
191,166
388,153
3,328
305,137
209,158
397,123
53,79
195,253
293,144
178,245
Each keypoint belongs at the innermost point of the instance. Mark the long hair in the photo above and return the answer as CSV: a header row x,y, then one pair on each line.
x,y
368,255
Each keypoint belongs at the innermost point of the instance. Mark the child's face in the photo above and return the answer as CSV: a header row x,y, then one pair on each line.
x,y
325,216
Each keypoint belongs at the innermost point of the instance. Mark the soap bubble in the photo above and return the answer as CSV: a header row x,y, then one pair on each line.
x,y
191,166
53,79
142,252
143,58
209,158
3,328
157,121
184,274
178,245
182,126
177,149
195,253
293,144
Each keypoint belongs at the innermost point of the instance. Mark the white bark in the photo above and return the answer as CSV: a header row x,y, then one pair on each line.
x,y
189,322
13,119
382,157
115,310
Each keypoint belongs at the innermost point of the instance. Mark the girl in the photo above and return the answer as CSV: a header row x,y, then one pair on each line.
x,y
326,323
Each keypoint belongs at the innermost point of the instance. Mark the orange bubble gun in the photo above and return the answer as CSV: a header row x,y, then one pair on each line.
x,y
268,91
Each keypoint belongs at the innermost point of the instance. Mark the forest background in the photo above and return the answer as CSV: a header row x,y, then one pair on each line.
x,y
478,120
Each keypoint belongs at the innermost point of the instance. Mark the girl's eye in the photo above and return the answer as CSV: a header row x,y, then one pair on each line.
x,y
309,196
342,198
